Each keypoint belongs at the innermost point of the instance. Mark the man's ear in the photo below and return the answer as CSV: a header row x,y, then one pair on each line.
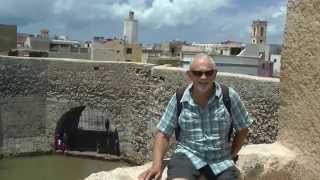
x,y
189,74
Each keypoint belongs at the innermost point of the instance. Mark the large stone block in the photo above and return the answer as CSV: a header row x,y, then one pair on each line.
x,y
256,162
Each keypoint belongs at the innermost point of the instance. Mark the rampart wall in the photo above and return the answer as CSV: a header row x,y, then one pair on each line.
x,y
35,93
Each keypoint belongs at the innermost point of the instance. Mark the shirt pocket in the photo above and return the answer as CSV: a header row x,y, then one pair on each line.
x,y
223,121
189,123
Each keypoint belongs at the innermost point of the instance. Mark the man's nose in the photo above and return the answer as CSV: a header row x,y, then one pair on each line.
x,y
203,76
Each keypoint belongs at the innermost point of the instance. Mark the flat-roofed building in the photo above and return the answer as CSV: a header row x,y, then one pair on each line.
x,y
8,38
115,50
64,48
237,64
107,50
150,51
133,52
223,48
21,39
187,54
37,43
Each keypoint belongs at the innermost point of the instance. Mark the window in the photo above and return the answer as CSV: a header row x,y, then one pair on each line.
x,y
96,68
129,50
172,51
235,51
261,31
275,60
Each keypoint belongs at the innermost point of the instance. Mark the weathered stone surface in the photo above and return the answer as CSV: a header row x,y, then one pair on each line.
x,y
256,162
300,83
266,161
126,173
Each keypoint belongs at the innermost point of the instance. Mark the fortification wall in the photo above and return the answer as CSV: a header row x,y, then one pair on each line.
x,y
300,84
135,95
22,105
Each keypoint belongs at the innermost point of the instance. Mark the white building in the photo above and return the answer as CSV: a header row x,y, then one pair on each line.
x,y
224,48
276,59
188,53
130,30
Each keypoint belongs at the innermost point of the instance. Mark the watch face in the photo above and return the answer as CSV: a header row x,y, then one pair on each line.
x,y
235,158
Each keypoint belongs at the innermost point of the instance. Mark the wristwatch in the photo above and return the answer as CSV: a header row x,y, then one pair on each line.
x,y
235,158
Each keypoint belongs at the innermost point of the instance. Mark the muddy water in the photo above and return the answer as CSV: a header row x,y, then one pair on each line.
x,y
52,167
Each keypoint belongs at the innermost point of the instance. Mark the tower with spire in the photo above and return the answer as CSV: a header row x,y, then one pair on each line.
x,y
130,30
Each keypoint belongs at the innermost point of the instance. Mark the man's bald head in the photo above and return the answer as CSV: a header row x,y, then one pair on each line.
x,y
200,58
202,72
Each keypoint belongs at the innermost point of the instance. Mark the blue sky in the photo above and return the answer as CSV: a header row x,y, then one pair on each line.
x,y
159,20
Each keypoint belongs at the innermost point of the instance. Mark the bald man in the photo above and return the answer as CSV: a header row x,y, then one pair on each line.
x,y
203,147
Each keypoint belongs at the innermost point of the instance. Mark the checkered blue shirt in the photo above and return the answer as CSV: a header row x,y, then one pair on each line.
x,y
204,131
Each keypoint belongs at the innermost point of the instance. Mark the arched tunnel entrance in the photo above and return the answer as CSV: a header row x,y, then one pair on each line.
x,y
86,129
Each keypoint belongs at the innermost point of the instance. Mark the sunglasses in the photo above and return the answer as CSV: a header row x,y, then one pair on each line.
x,y
200,73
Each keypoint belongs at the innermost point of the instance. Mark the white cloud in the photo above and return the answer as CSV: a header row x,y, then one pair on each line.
x,y
61,6
189,19
272,29
178,12
31,10
280,12
160,13
240,23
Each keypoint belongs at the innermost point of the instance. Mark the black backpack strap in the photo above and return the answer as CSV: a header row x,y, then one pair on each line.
x,y
226,97
227,103
179,94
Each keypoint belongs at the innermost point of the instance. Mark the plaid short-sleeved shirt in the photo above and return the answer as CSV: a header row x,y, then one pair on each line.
x,y
204,132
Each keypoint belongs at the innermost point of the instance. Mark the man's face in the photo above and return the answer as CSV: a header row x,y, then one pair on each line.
x,y
202,73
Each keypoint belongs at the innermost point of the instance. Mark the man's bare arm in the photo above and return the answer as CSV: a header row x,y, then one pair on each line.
x,y
238,141
161,144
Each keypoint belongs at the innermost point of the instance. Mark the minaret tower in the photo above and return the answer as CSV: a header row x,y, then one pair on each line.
x,y
130,30
259,32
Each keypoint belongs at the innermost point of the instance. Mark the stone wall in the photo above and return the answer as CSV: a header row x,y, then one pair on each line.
x,y
135,95
22,105
66,54
300,84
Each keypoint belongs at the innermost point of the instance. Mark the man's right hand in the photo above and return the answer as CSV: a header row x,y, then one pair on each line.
x,y
152,173
161,144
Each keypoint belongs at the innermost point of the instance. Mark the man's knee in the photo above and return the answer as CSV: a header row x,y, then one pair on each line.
x,y
232,173
180,167
200,178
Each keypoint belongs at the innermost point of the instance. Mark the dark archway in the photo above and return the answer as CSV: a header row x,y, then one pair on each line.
x,y
69,121
101,139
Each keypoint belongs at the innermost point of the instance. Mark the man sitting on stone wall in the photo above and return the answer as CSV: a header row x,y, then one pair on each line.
x,y
203,146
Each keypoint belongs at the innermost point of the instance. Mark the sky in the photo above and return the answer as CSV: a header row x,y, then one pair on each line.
x,y
202,21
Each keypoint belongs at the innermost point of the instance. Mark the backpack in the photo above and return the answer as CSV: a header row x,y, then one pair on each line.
x,y
226,102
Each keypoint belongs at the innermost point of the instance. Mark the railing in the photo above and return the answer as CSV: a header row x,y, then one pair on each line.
x,y
92,119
